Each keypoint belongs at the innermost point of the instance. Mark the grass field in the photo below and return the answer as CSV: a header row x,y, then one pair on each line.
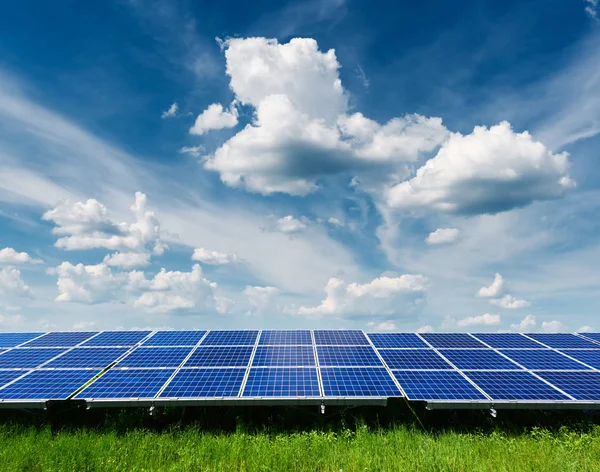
x,y
206,440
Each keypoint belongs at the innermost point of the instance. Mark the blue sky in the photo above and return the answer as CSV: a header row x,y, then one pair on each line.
x,y
335,163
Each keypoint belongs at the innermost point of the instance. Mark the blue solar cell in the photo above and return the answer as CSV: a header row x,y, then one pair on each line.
x,y
479,359
541,359
220,356
275,337
282,382
518,385
88,357
507,340
203,383
590,357
117,338
155,357
47,385
580,385
452,340
7,376
413,359
347,356
61,339
294,356
127,383
14,339
436,385
396,340
592,336
174,338
563,341
358,382
340,337
230,338
21,358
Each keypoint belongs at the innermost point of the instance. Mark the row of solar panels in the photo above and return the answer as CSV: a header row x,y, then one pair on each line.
x,y
321,364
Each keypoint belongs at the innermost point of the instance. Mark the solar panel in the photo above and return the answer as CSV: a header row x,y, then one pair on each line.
x,y
358,382
507,340
592,336
541,359
396,340
7,376
156,357
47,385
282,382
589,356
202,383
127,383
436,385
346,356
117,338
230,338
563,341
293,356
341,337
174,338
580,385
413,359
220,356
479,359
274,337
61,339
88,357
454,340
14,339
518,385
20,358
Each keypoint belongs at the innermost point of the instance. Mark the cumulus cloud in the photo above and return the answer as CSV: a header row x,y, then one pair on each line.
x,y
381,296
335,222
88,284
9,321
494,290
426,329
442,236
481,320
11,283
585,329
195,151
553,326
11,257
171,112
290,225
383,326
509,302
259,298
207,256
526,324
127,260
214,118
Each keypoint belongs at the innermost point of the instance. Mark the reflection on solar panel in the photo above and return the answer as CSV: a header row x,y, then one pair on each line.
x,y
397,340
346,356
27,358
519,385
117,338
90,357
127,383
563,341
202,383
455,340
230,338
174,338
155,357
47,385
593,336
436,385
413,359
358,382
273,337
507,340
14,339
60,339
589,356
223,356
580,385
294,356
481,359
346,337
282,382
541,359
7,376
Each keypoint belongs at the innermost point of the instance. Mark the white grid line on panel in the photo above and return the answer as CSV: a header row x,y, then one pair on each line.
x,y
250,361
561,353
319,377
587,338
389,371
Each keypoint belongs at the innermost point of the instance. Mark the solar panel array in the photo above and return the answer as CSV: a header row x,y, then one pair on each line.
x,y
445,369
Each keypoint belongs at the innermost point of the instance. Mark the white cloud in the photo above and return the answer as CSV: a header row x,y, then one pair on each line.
x,y
442,236
8,321
11,283
509,302
192,150
9,256
383,326
213,257
592,8
553,326
585,329
88,283
335,221
381,296
260,297
84,325
171,112
488,171
481,320
426,329
526,324
214,118
127,260
290,225
494,290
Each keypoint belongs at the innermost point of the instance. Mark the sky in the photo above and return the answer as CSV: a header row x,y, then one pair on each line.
x,y
309,164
